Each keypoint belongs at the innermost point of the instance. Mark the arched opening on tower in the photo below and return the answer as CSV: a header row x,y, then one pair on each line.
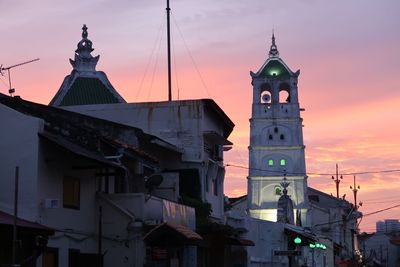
x,y
284,93
266,94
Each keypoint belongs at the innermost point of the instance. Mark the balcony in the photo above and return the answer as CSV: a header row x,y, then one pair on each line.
x,y
152,210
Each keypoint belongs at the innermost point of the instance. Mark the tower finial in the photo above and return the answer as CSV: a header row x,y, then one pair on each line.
x,y
84,61
273,51
84,31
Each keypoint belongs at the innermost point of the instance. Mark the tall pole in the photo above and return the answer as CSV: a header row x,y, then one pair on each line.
x,y
169,52
337,181
355,188
99,253
14,244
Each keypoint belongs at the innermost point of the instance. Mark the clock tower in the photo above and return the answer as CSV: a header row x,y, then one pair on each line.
x,y
276,141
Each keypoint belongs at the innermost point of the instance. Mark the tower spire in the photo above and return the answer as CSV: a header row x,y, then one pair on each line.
x,y
273,51
84,61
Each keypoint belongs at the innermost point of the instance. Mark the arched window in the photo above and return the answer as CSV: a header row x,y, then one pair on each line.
x,y
284,93
278,190
284,96
266,94
266,97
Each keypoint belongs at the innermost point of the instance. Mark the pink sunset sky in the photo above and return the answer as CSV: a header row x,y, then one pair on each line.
x,y
348,53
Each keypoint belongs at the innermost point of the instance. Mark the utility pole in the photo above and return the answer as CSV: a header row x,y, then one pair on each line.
x,y
355,188
14,244
169,52
337,181
100,233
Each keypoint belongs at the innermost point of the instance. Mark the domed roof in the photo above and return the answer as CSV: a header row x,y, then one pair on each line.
x,y
274,65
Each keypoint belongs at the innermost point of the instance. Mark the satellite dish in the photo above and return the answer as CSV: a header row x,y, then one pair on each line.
x,y
153,181
266,98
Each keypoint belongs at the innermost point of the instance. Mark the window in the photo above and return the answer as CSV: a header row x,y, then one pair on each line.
x,y
71,193
270,162
283,162
278,190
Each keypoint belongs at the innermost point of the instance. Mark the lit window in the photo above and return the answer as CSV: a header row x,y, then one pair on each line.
x,y
278,190
270,162
283,162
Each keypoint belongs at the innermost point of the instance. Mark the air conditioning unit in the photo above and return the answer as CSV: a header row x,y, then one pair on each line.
x,y
51,203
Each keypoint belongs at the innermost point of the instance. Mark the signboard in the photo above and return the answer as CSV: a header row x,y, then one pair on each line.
x,y
287,253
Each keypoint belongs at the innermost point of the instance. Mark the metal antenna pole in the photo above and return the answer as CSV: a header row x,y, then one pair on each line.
x,y
169,52
11,90
337,181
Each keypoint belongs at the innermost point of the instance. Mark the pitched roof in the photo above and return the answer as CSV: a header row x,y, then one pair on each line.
x,y
85,85
86,91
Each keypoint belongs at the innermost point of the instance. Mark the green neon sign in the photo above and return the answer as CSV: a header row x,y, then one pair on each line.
x,y
317,245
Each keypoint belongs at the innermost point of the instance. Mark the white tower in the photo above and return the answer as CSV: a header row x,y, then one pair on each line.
x,y
276,141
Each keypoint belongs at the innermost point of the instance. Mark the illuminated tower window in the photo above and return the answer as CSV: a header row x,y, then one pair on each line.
x,y
270,162
278,190
283,162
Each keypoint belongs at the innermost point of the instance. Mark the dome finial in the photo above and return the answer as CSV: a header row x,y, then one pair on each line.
x,y
84,61
84,31
273,51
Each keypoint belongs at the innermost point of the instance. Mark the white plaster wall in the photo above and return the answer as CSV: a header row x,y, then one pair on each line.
x,y
179,123
267,237
19,147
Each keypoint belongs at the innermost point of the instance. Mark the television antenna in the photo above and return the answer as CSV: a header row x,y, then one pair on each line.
x,y
11,90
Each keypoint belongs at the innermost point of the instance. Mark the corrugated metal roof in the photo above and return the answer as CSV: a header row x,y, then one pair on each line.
x,y
87,91
168,231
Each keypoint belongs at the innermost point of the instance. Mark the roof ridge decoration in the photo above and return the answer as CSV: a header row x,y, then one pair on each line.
x,y
84,61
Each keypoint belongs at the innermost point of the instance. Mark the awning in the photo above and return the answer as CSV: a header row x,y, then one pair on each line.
x,y
296,230
8,219
78,150
167,234
240,241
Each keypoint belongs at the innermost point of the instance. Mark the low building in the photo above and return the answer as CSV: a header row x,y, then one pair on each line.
x,y
380,249
100,185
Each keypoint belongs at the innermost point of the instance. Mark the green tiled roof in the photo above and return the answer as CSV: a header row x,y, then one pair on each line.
x,y
86,91
274,68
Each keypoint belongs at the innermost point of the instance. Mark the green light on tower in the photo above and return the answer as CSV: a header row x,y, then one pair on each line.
x,y
297,240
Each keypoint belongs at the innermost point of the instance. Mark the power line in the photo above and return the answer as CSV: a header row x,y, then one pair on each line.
x,y
157,41
381,210
311,173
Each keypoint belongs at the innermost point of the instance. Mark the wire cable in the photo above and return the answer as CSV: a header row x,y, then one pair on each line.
x,y
191,57
175,65
154,68
312,173
159,36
